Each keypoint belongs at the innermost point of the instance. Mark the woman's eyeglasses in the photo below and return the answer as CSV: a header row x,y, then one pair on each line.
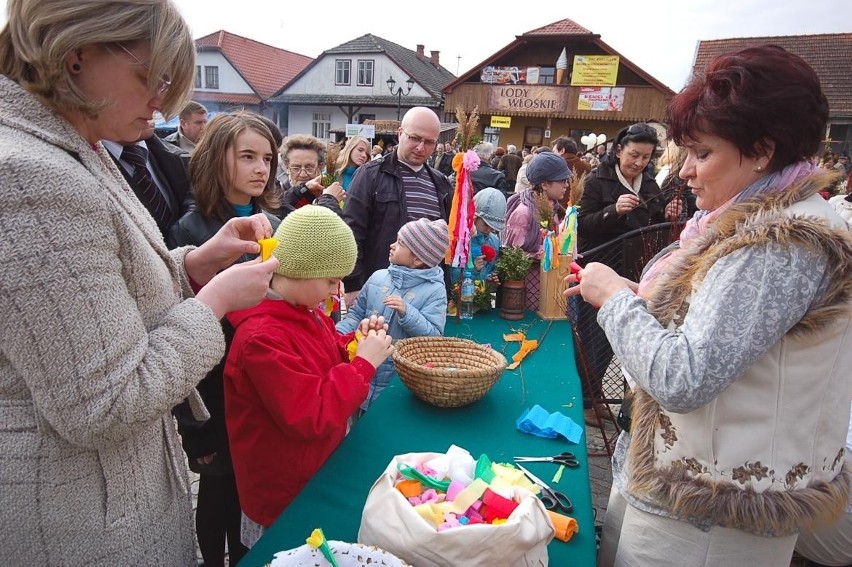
x,y
297,169
162,85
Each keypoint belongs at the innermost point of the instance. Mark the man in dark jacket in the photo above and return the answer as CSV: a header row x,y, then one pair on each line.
x,y
486,175
388,192
162,185
510,164
443,160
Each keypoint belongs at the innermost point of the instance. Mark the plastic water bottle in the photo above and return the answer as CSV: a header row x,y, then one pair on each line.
x,y
466,300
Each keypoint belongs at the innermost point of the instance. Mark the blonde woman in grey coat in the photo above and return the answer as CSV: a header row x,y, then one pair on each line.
x,y
100,331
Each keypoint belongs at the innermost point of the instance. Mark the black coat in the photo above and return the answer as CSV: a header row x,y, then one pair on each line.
x,y
486,176
375,210
170,163
597,221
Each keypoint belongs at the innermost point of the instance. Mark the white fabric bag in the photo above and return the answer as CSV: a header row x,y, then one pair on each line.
x,y
390,522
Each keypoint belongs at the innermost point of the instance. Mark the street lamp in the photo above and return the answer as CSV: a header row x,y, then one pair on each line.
x,y
399,92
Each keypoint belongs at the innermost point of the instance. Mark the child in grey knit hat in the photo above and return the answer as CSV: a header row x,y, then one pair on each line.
x,y
410,294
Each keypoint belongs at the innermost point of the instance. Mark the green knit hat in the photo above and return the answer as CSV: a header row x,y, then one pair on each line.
x,y
313,242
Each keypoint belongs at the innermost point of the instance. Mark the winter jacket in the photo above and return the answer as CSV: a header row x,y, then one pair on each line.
x,y
425,295
100,338
743,385
423,291
289,392
486,176
375,211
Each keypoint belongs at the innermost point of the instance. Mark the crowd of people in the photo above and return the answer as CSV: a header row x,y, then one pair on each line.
x,y
143,330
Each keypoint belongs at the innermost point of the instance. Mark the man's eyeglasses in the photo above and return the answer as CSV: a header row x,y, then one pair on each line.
x,y
297,169
162,85
417,140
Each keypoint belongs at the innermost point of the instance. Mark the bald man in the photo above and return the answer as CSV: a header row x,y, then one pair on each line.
x,y
391,191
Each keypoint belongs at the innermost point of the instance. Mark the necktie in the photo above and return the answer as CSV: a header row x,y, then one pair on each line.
x,y
149,193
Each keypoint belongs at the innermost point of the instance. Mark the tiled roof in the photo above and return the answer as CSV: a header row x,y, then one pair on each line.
x,y
562,27
429,76
829,54
265,68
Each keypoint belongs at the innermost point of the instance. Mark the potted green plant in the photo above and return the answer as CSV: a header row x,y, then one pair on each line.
x,y
512,267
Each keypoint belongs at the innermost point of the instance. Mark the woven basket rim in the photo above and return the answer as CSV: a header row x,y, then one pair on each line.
x,y
448,386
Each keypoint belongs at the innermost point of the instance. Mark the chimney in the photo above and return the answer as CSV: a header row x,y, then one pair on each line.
x,y
420,48
434,58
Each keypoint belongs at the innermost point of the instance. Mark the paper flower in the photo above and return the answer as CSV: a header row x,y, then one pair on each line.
x,y
352,347
318,541
489,253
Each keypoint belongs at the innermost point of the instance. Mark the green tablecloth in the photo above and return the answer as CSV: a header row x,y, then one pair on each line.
x,y
399,423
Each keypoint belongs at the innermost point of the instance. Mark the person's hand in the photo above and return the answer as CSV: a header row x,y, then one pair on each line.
x,y
375,348
315,186
597,283
239,236
626,203
239,287
206,459
396,303
479,263
493,278
674,210
335,190
374,323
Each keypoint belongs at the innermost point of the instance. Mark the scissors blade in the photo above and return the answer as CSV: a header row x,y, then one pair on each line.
x,y
532,477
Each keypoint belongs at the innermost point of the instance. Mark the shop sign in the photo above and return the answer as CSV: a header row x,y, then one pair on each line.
x,y
528,98
594,70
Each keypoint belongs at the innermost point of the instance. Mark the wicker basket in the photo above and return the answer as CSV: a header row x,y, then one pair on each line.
x,y
463,370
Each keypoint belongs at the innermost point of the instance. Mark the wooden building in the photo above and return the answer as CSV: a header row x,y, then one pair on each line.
x,y
560,79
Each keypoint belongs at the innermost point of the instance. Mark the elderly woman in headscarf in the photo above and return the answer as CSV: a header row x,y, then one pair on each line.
x,y
737,341
101,332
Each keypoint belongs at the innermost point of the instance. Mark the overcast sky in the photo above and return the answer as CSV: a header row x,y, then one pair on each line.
x,y
660,36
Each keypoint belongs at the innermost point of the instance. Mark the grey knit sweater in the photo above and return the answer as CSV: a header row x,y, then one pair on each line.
x,y
100,337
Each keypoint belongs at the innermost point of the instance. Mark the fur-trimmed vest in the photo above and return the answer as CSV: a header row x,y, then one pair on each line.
x,y
766,455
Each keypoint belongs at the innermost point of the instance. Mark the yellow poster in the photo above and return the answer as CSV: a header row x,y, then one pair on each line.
x,y
594,70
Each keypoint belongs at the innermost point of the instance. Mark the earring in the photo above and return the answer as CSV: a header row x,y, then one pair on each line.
x,y
759,168
76,67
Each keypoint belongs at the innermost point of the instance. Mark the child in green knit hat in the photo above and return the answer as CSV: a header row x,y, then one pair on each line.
x,y
290,386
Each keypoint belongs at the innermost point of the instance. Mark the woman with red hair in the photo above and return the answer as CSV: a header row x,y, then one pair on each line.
x,y
737,342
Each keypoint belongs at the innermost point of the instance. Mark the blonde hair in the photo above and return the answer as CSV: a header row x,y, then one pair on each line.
x,y
346,153
40,34
208,169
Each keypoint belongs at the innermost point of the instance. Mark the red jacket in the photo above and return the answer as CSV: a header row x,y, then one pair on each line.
x,y
289,391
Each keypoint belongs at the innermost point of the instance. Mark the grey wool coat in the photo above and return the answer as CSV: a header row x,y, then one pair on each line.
x,y
100,336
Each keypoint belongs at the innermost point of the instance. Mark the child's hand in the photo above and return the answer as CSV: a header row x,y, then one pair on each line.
x,y
493,278
479,263
375,347
374,323
396,303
